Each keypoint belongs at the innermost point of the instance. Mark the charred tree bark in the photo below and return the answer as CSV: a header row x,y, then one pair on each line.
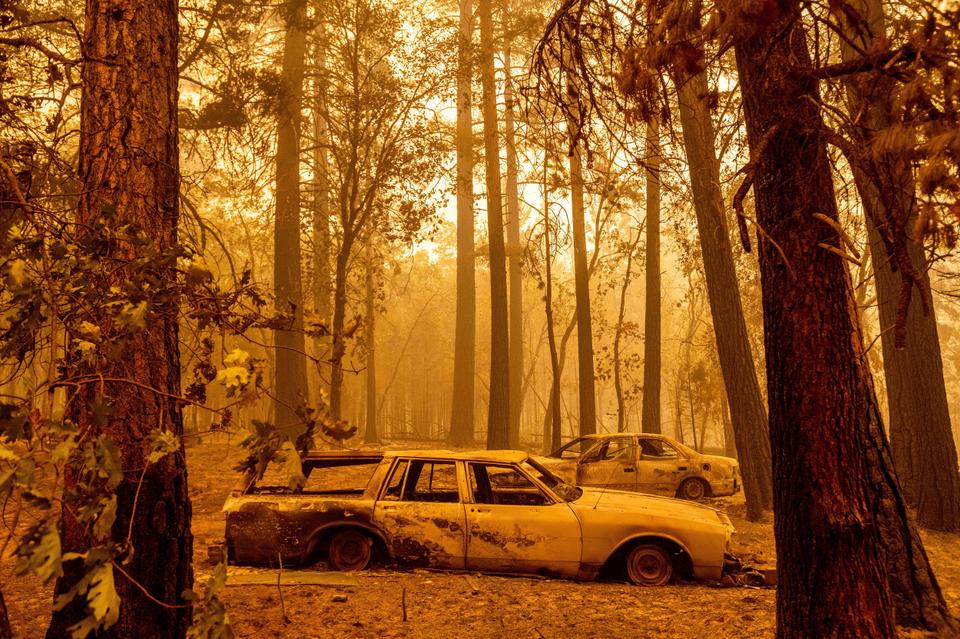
x,y
5,632
321,208
747,412
581,274
498,417
921,438
129,161
464,357
514,255
845,546
371,434
291,366
553,405
651,339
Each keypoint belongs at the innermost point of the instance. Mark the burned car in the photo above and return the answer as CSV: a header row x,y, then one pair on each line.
x,y
492,511
645,463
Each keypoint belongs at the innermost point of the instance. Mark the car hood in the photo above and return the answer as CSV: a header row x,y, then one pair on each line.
x,y
639,503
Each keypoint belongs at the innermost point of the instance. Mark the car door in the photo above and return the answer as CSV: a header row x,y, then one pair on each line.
x,y
422,513
661,467
611,463
515,526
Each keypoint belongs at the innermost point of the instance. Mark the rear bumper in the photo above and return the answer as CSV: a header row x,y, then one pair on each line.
x,y
726,487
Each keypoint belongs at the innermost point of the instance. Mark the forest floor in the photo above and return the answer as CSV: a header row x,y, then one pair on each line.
x,y
470,605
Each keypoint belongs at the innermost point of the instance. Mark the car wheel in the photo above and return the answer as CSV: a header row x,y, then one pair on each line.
x,y
693,489
350,550
649,565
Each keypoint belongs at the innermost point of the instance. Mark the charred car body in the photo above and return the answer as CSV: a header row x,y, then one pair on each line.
x,y
644,463
493,511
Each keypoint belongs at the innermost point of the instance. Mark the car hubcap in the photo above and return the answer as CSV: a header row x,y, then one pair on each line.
x,y
350,551
649,565
694,490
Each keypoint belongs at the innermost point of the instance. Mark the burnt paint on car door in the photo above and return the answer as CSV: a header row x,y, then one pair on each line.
x,y
422,513
516,526
611,463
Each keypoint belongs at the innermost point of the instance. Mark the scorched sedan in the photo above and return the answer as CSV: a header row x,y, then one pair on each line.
x,y
493,511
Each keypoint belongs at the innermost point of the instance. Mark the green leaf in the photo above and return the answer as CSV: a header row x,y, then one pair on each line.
x,y
108,515
234,378
107,461
291,465
133,315
102,596
162,443
39,552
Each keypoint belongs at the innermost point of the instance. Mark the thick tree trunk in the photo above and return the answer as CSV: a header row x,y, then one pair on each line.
x,y
5,632
921,439
291,368
585,379
498,417
370,433
129,164
464,358
515,255
651,339
748,415
841,527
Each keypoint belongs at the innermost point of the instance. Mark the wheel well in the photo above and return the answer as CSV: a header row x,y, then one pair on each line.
x,y
615,566
707,492
319,544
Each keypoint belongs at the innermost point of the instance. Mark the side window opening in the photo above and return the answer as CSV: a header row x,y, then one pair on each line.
x,y
504,485
423,481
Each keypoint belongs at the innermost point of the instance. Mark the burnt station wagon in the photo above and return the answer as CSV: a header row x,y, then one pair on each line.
x,y
644,463
492,511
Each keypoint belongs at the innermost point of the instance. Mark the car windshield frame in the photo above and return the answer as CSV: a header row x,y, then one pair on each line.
x,y
558,453
555,484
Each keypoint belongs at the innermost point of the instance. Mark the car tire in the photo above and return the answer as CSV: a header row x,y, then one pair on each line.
x,y
649,565
693,489
350,550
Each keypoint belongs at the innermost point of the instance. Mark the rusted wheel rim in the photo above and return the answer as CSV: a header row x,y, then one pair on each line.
x,y
693,489
350,550
649,565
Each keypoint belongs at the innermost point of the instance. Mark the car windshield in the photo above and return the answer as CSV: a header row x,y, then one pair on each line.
x,y
562,489
573,449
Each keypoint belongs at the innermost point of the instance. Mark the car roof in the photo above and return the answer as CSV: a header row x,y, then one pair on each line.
x,y
502,456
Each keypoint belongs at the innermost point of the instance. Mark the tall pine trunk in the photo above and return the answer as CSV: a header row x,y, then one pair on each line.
x,y
129,161
464,357
747,412
552,420
651,339
921,438
586,384
847,553
321,207
498,417
291,368
370,433
514,254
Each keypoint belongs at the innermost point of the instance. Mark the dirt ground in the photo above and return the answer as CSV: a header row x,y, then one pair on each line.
x,y
471,605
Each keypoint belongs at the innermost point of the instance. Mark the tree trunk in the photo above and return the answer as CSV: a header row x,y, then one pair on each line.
x,y
748,415
370,433
841,527
651,340
553,405
129,165
515,255
585,379
5,632
498,417
618,334
921,438
321,209
464,358
291,371
339,339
